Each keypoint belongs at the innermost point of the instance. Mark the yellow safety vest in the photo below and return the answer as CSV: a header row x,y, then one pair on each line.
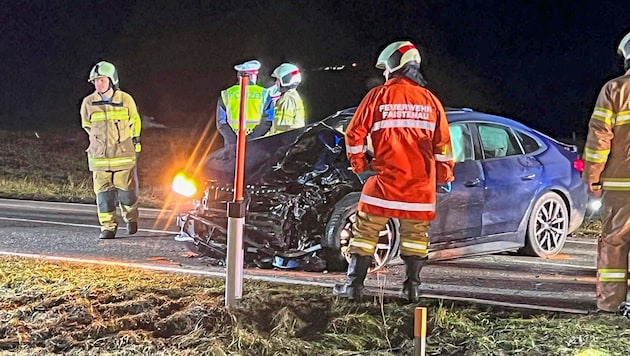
x,y
256,99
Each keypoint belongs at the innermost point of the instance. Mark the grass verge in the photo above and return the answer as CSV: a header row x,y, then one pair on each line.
x,y
88,310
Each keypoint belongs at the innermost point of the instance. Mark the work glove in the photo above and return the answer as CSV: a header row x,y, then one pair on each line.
x,y
137,145
444,187
363,176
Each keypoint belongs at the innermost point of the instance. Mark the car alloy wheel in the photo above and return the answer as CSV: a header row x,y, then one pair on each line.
x,y
547,228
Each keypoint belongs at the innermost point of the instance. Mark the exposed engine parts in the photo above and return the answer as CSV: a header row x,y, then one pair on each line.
x,y
293,190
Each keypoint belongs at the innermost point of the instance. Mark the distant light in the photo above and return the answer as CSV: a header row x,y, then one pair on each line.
x,y
339,67
354,64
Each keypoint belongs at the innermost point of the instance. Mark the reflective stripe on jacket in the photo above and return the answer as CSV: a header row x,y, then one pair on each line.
x,y
111,126
289,112
606,162
256,100
412,149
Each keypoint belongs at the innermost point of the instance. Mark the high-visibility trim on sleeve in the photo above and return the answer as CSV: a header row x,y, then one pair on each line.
x,y
596,156
602,114
623,118
355,149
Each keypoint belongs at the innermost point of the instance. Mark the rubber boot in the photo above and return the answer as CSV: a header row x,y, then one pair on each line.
x,y
107,234
411,285
357,271
132,227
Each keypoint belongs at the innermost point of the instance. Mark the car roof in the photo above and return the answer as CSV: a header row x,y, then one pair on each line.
x,y
463,114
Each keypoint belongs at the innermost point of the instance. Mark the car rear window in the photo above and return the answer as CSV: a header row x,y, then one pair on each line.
x,y
528,143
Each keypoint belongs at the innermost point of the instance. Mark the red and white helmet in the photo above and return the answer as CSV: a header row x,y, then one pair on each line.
x,y
396,55
288,74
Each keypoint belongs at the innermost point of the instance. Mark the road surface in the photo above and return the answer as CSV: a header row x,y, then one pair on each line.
x,y
65,231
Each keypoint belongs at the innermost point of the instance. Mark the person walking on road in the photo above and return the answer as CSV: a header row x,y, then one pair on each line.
x,y
412,159
607,175
111,120
259,113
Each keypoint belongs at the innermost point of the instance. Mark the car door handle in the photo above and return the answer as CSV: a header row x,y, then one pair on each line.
x,y
528,177
472,183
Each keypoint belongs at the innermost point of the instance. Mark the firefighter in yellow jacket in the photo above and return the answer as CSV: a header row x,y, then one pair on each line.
x,y
111,119
288,107
607,175
412,160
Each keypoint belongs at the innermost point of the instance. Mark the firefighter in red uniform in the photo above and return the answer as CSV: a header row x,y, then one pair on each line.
x,y
607,175
412,159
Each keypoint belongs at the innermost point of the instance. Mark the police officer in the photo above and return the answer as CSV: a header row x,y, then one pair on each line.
x,y
259,110
111,119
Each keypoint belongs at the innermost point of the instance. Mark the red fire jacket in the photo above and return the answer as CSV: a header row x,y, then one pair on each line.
x,y
412,149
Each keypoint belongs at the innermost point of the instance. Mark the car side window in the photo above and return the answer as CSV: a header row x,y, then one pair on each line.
x,y
528,143
461,140
497,141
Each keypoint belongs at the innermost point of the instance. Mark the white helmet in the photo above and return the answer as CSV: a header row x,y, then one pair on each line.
x,y
624,46
104,69
396,55
288,74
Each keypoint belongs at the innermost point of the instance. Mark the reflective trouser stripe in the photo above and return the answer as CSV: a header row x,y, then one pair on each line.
x,y
414,235
365,233
414,238
106,205
366,246
612,275
112,188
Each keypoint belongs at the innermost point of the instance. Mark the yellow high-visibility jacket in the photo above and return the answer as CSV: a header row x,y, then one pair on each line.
x,y
607,149
289,112
257,97
111,126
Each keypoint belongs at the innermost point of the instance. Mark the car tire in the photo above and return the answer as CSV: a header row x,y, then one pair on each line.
x,y
547,227
340,220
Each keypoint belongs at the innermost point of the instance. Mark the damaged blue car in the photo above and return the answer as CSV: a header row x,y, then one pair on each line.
x,y
515,189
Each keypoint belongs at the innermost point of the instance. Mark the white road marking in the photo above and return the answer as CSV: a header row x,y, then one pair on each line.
x,y
59,205
583,242
79,225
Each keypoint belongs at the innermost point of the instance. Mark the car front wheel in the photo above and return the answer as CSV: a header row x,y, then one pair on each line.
x,y
339,232
547,228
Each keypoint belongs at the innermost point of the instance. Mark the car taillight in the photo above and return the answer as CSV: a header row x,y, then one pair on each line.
x,y
578,164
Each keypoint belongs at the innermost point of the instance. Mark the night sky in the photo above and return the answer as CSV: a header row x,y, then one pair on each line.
x,y
541,62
